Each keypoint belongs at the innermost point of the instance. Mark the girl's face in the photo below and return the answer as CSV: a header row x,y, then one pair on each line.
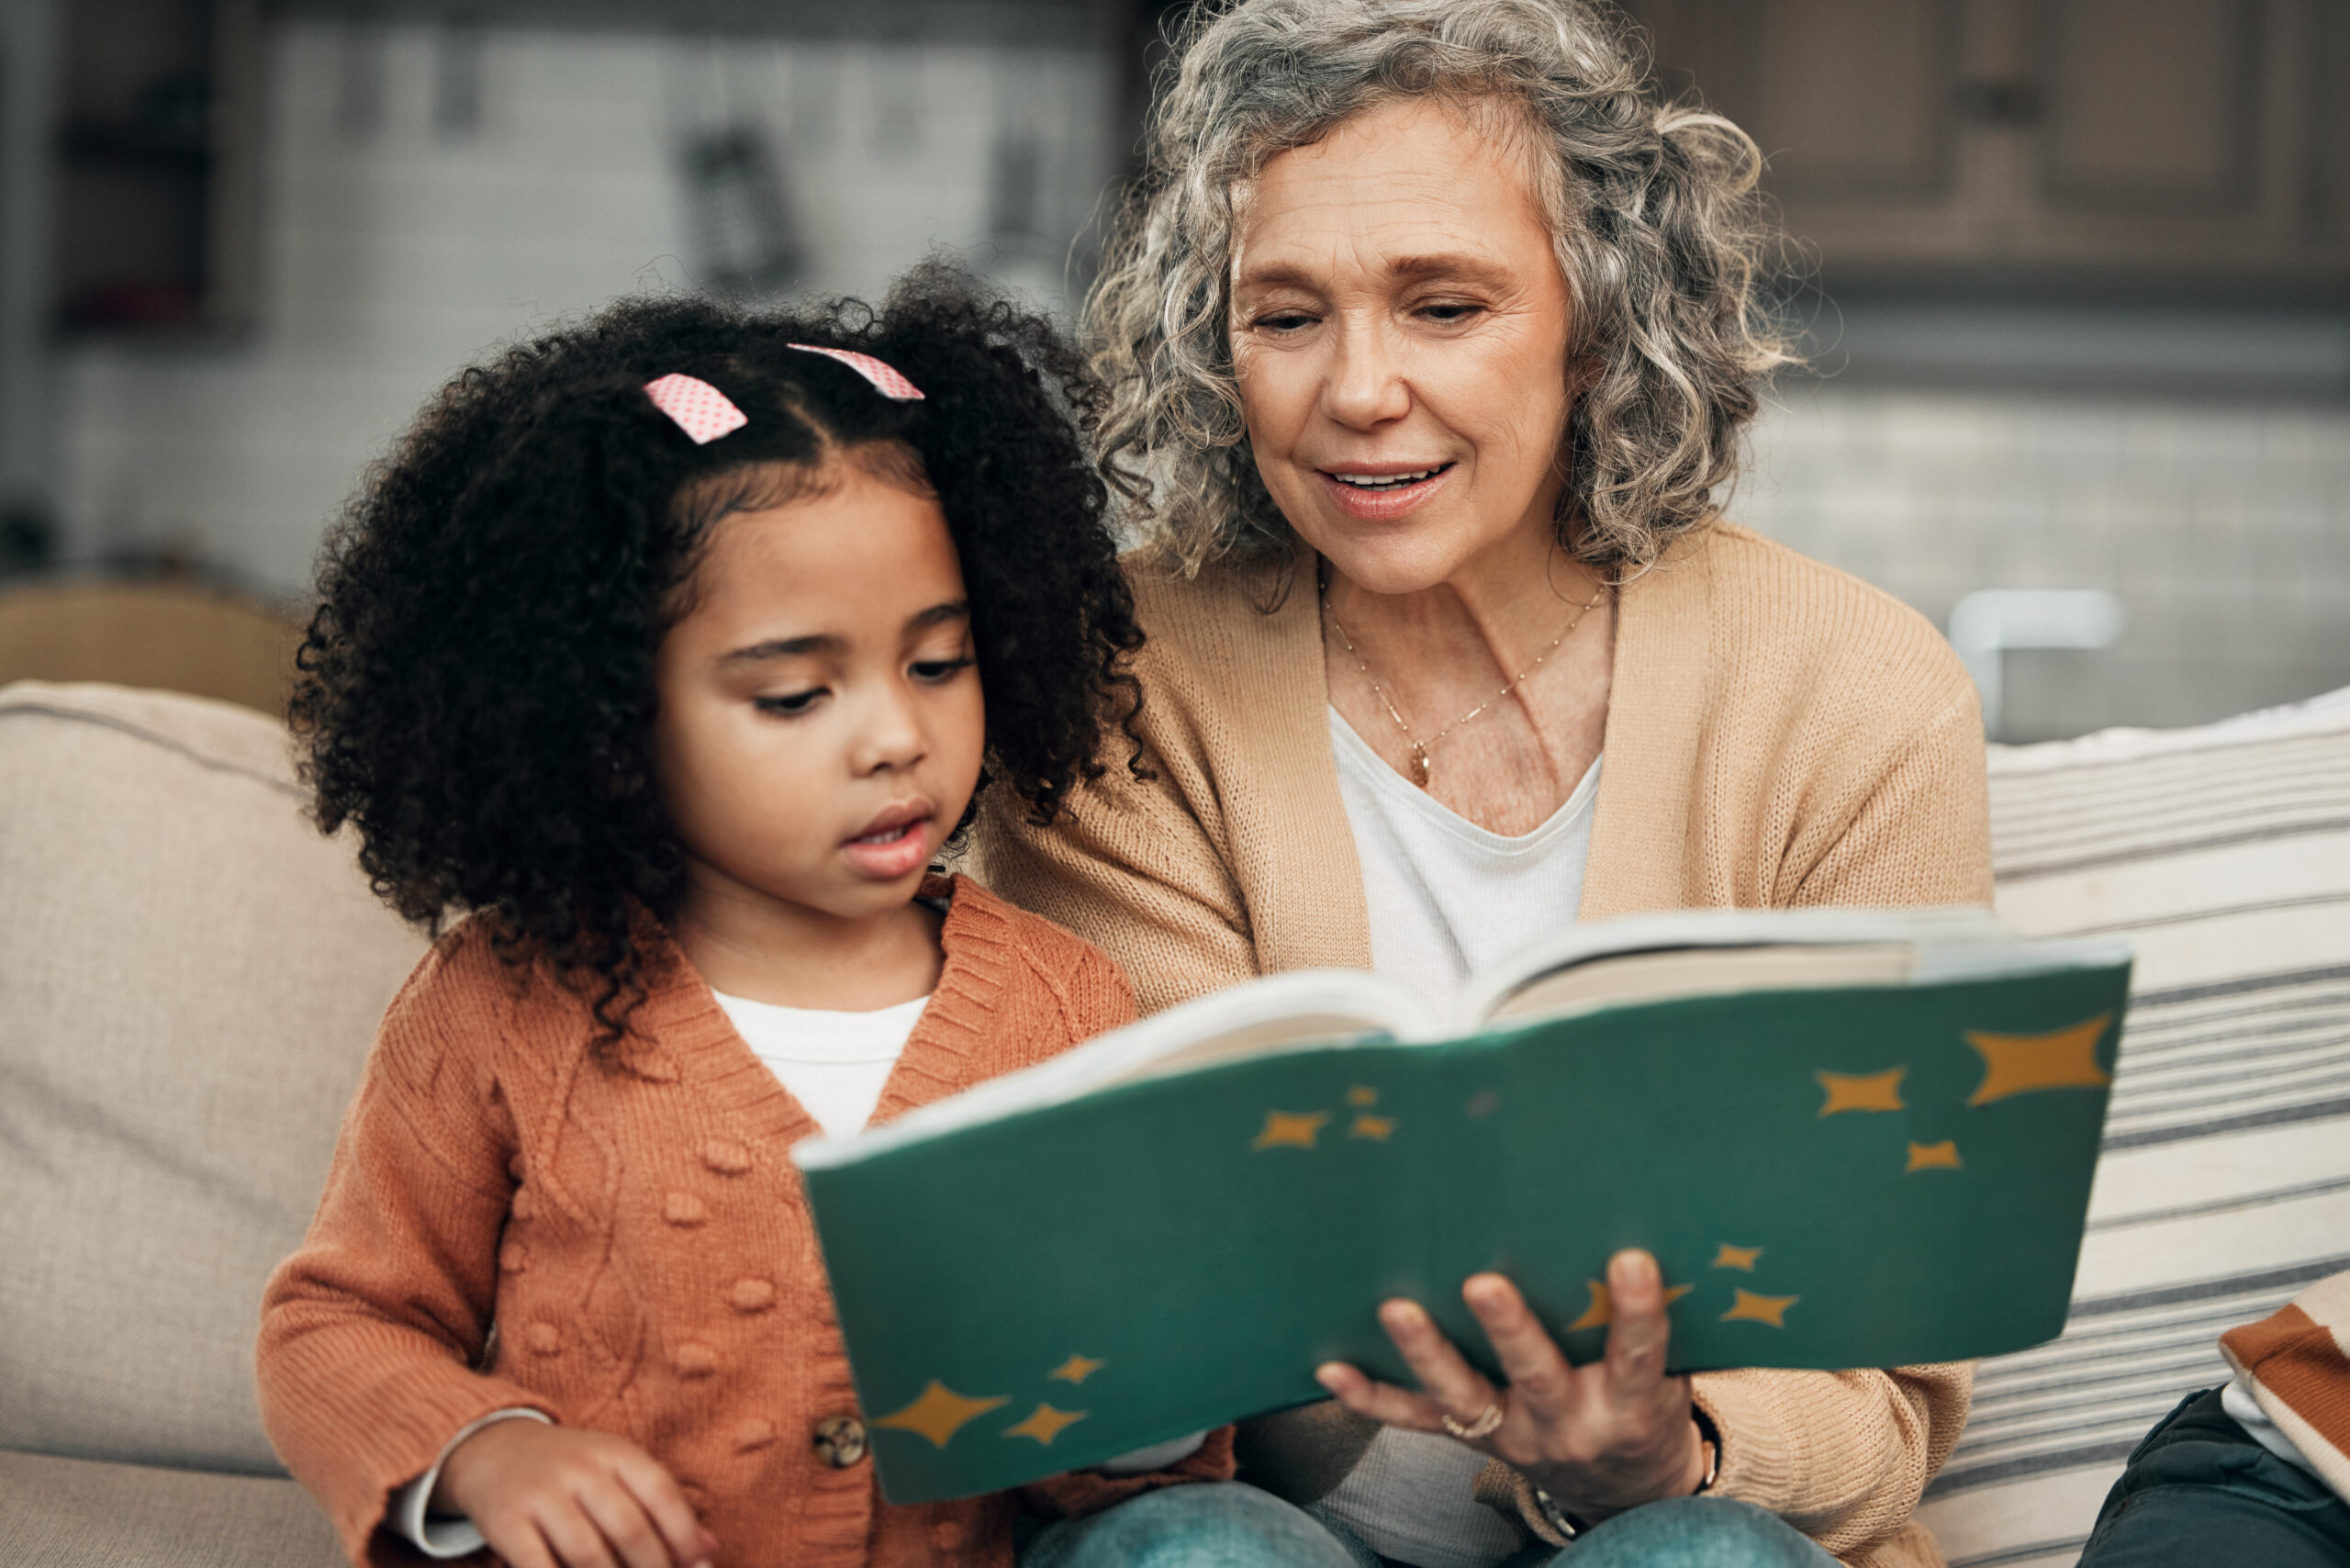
x,y
819,726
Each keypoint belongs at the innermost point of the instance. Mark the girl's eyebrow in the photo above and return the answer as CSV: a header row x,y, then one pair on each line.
x,y
825,643
782,648
939,614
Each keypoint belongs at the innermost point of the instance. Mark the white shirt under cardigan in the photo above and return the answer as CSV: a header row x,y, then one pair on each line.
x,y
1444,897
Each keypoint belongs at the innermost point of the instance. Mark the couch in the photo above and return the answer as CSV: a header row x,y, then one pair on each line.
x,y
193,974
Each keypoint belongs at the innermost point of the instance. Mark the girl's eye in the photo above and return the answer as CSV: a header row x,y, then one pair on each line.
x,y
938,670
790,702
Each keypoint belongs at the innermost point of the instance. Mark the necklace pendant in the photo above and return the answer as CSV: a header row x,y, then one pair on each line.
x,y
1419,765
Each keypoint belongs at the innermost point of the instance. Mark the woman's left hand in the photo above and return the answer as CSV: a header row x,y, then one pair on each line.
x,y
1600,1439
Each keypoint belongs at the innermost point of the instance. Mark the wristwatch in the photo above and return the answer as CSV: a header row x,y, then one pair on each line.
x,y
1568,1527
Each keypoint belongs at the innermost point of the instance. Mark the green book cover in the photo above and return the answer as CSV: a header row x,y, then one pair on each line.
x,y
1850,1138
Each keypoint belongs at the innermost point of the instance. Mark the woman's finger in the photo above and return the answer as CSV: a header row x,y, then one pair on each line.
x,y
521,1547
1540,1376
1383,1402
1444,1374
1638,1334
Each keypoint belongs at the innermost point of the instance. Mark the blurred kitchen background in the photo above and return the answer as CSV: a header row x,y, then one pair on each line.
x,y
2075,276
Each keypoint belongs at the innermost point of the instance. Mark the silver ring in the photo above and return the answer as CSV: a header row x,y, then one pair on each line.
x,y
1484,1426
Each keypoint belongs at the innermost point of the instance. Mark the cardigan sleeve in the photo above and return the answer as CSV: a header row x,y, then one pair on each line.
x,y
370,1331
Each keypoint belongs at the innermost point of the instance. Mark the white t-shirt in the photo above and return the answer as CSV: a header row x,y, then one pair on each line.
x,y
1444,897
833,1063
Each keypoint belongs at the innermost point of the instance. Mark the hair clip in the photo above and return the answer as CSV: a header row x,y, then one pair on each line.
x,y
701,410
884,380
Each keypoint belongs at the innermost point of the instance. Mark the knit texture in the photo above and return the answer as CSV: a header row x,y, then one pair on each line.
x,y
2297,1361
636,1233
1778,733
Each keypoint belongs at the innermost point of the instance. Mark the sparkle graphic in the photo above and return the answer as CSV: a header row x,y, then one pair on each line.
x,y
1748,1308
1077,1369
1942,1156
1601,1310
1372,1126
939,1414
2024,1064
1861,1091
1359,1095
1290,1129
1730,1257
1045,1424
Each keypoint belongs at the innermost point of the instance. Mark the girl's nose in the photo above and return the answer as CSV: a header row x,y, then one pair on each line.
x,y
1365,386
889,734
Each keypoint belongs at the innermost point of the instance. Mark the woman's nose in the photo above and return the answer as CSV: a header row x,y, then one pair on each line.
x,y
1365,386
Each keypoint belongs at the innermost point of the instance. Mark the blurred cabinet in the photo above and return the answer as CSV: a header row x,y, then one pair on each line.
x,y
157,154
2140,142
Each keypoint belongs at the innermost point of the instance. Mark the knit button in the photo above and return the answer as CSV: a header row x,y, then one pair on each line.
x,y
840,1441
513,1256
543,1338
726,1157
751,1434
525,1204
694,1358
514,1166
752,1295
652,1066
684,1208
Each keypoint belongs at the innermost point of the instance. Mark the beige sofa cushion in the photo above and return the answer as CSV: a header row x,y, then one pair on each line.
x,y
192,976
2223,854
78,1513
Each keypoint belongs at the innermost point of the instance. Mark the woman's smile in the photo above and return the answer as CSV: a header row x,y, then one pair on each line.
x,y
1377,492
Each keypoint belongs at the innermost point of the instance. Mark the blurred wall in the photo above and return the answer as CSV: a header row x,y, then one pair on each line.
x,y
430,193
2222,524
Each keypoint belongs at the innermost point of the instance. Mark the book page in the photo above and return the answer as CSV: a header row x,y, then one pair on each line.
x,y
1701,971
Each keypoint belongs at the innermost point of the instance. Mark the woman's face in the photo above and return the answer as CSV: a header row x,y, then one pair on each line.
x,y
1399,333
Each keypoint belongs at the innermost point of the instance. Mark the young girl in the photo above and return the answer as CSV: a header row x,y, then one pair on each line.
x,y
655,654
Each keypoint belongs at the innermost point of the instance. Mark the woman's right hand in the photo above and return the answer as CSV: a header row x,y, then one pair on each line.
x,y
548,1497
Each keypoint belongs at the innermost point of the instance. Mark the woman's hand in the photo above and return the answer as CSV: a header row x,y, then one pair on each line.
x,y
1599,1439
545,1496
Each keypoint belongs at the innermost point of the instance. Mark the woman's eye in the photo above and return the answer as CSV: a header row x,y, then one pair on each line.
x,y
789,701
1450,310
937,670
1284,321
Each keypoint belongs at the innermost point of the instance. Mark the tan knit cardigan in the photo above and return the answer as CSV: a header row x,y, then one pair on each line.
x,y
1778,733
641,1243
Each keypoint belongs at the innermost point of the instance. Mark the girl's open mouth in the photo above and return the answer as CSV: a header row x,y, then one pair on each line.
x,y
892,843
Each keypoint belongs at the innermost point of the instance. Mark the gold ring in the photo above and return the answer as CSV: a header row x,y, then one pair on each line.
x,y
1484,1426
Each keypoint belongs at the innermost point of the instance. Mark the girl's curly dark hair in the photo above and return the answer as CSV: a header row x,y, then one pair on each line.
x,y
477,683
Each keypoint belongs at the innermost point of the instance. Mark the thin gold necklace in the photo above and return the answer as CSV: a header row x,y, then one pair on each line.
x,y
1421,767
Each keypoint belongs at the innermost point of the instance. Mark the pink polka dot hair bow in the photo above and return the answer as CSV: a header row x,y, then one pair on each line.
x,y
705,413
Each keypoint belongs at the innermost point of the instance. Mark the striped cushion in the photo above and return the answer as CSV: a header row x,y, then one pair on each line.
x,y
2223,852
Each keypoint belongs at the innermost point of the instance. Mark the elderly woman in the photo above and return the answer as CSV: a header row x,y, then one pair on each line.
x,y
1430,336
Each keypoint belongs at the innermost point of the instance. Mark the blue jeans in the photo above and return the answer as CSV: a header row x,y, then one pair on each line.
x,y
1229,1524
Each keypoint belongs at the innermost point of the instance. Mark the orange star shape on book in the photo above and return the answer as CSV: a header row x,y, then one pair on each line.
x,y
1748,1308
2023,1064
1291,1129
1045,1423
1077,1369
940,1413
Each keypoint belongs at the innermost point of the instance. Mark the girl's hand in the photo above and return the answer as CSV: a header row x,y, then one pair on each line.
x,y
1600,1439
545,1496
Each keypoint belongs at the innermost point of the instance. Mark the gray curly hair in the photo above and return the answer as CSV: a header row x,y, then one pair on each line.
x,y
1658,227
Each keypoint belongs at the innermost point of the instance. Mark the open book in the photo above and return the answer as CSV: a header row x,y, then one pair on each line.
x,y
1851,1137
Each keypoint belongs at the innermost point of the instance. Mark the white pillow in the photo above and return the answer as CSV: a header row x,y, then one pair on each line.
x,y
2223,854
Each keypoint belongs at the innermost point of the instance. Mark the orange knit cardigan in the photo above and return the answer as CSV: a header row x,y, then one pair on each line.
x,y
640,1243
